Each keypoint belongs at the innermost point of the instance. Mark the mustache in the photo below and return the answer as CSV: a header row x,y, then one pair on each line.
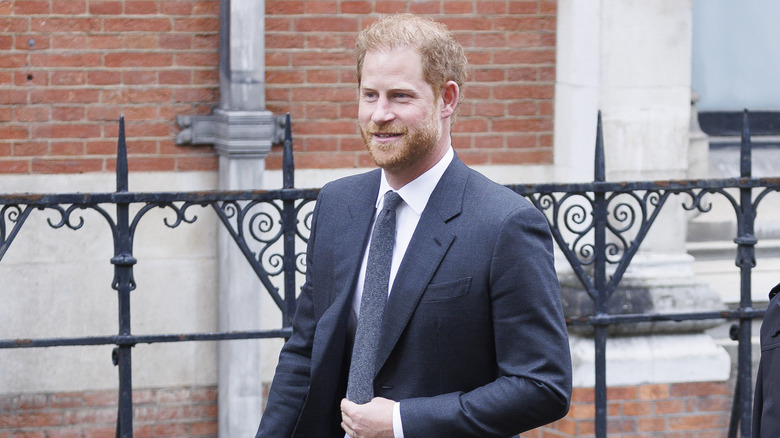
x,y
373,128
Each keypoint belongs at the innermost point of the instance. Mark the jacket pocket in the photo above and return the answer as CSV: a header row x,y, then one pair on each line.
x,y
446,291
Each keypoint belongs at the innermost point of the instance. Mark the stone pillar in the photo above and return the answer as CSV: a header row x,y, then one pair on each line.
x,y
632,60
242,132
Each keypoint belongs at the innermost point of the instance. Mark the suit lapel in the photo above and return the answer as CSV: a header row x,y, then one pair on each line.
x,y
350,240
430,242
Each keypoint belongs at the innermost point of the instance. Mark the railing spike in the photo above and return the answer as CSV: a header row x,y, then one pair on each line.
x,y
745,155
288,163
599,172
121,158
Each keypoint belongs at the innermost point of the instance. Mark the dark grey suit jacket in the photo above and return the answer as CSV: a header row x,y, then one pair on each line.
x,y
766,405
473,342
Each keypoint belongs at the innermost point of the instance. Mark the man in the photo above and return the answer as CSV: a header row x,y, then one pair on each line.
x,y
766,406
472,340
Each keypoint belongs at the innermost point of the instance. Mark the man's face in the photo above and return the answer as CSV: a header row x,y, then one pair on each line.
x,y
399,117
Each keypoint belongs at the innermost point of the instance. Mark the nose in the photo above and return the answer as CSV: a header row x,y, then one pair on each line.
x,y
383,112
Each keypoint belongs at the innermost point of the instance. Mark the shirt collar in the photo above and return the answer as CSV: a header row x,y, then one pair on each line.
x,y
416,193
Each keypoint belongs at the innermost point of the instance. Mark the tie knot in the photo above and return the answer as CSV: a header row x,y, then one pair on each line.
x,y
392,200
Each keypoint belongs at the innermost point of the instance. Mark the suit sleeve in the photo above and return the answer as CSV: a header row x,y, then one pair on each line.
x,y
533,386
291,383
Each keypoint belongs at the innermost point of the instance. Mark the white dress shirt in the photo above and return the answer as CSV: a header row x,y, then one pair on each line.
x,y
415,196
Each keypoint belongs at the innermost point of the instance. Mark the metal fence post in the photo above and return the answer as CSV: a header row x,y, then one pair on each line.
x,y
123,283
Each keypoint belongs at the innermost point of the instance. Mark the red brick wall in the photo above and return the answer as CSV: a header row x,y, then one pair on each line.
x,y
506,117
689,410
169,412
69,68
677,410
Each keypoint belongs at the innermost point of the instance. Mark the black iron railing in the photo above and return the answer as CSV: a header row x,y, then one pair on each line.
x,y
598,226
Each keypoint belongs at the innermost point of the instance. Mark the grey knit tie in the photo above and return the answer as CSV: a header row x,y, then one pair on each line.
x,y
360,386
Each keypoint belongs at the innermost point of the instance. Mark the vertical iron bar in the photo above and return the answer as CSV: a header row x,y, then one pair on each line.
x,y
123,262
290,226
600,283
745,261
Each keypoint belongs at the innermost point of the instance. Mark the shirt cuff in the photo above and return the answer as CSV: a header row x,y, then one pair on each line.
x,y
398,430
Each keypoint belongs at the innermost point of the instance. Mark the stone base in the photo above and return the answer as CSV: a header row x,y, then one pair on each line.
x,y
638,360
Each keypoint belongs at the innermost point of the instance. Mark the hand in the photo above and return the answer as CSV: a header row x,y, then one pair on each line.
x,y
371,420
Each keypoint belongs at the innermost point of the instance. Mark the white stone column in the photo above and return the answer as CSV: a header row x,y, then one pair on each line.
x,y
243,134
631,59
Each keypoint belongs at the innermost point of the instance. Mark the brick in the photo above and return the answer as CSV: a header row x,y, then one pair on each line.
x,y
637,409
13,25
68,78
311,7
141,8
101,398
103,77
177,77
171,429
31,419
31,7
525,157
66,400
137,25
697,422
105,7
523,7
651,425
53,166
32,42
425,7
57,24
30,114
30,149
206,163
14,132
714,403
80,60
177,7
326,24
100,432
698,389
202,24
137,59
71,130
140,42
204,428
653,392
145,164
491,7
67,148
71,432
68,7
355,7
208,59
389,7
103,42
73,42
139,77
6,42
13,60
14,166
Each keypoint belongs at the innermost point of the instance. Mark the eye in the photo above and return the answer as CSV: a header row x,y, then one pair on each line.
x,y
369,95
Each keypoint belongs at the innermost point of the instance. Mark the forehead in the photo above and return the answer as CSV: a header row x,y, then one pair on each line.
x,y
397,67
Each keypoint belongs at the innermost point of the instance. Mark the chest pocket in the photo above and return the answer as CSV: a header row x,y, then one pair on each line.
x,y
446,291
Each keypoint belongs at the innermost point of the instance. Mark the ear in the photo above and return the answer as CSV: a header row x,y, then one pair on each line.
x,y
450,94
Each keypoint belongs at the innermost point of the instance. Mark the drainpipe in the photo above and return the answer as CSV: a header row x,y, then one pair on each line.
x,y
242,132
